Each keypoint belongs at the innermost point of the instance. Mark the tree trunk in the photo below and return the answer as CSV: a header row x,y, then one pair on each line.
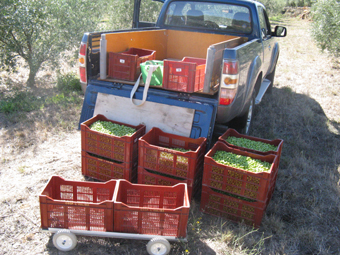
x,y
31,79
34,67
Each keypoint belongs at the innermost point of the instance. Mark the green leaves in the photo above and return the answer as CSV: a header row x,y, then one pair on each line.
x,y
110,128
250,144
38,31
241,162
325,26
68,82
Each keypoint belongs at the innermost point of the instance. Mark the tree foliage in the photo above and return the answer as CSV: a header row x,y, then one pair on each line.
x,y
39,30
275,7
325,26
119,14
149,10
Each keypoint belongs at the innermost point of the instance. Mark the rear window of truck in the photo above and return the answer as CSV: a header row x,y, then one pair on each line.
x,y
216,16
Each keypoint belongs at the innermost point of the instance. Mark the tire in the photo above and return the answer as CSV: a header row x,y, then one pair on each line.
x,y
64,240
243,123
271,78
158,246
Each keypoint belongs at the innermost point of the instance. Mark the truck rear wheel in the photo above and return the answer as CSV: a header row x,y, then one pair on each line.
x,y
243,123
271,77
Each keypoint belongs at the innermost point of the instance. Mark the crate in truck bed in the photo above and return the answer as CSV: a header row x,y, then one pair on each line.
x,y
186,75
103,169
237,181
153,210
77,205
232,207
155,153
126,65
123,149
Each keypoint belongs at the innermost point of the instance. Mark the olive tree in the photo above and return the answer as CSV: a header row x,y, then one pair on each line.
x,y
39,30
119,13
325,26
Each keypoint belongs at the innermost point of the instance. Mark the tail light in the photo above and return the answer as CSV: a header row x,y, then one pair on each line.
x,y
82,62
229,81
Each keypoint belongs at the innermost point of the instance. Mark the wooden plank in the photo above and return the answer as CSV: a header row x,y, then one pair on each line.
x,y
169,118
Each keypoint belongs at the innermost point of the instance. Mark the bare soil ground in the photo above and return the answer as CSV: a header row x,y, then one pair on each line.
x,y
302,217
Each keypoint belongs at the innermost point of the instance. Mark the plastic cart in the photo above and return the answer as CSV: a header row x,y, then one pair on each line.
x,y
66,239
114,209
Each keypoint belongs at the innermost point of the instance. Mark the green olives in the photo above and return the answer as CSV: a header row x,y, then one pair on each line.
x,y
110,128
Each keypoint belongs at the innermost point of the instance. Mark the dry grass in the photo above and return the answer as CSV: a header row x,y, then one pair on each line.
x,y
302,217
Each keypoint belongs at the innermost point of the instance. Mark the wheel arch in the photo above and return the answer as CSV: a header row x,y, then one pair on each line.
x,y
275,57
254,74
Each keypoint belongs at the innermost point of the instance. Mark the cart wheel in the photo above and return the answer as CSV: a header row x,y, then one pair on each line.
x,y
158,246
64,240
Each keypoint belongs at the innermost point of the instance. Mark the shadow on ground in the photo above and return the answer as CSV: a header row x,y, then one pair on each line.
x,y
303,214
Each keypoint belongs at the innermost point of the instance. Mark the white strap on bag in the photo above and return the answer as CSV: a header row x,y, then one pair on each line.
x,y
152,68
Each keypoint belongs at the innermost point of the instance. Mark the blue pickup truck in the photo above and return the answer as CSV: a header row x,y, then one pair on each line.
x,y
233,36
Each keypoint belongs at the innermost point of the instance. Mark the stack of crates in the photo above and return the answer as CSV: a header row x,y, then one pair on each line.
x,y
126,65
234,193
106,157
159,164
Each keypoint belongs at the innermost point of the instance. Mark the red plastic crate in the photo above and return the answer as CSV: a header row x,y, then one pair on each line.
x,y
151,210
187,75
126,65
237,181
104,170
123,149
77,205
233,132
150,177
154,153
232,208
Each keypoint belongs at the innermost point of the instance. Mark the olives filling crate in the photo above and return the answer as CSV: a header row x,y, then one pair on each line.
x,y
160,163
105,156
122,149
233,133
77,205
157,152
256,186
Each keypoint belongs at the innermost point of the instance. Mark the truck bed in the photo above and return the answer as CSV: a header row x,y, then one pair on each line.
x,y
168,44
172,44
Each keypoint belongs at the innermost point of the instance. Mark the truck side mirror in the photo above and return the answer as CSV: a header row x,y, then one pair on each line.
x,y
280,31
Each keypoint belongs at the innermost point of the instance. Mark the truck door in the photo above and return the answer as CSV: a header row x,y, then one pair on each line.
x,y
267,40
146,12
